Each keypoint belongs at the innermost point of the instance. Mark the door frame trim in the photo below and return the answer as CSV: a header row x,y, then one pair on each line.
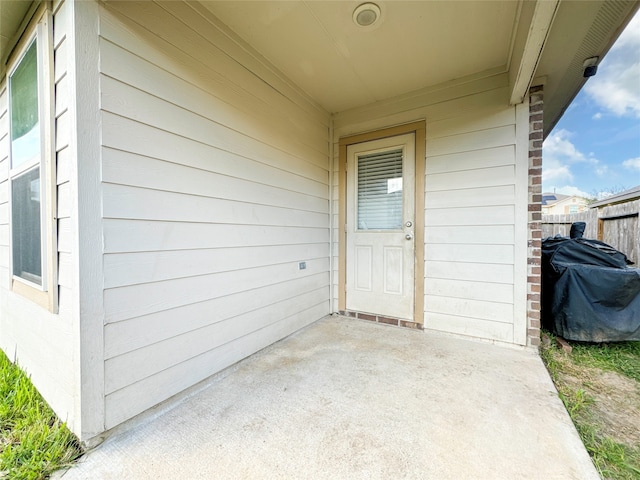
x,y
419,129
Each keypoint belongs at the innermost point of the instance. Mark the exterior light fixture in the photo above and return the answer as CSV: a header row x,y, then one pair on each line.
x,y
590,67
366,14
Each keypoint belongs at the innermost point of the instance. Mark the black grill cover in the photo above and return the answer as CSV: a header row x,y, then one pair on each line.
x,y
589,292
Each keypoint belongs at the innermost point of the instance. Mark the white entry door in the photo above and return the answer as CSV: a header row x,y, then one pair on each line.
x,y
380,226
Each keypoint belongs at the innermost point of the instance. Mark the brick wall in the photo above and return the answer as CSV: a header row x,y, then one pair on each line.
x,y
535,215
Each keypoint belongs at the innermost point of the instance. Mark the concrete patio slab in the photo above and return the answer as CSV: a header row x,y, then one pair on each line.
x,y
349,399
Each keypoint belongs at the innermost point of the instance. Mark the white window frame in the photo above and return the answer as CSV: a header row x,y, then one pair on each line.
x,y
39,30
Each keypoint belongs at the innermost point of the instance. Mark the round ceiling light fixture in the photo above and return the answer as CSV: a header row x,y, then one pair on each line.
x,y
366,14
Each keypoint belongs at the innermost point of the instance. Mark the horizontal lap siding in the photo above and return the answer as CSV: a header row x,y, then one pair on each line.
x,y
215,186
470,183
43,343
470,202
64,164
179,377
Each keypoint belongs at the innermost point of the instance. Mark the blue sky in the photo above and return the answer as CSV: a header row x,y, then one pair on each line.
x,y
595,147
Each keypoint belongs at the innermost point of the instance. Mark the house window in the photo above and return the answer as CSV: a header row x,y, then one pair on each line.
x,y
26,160
31,173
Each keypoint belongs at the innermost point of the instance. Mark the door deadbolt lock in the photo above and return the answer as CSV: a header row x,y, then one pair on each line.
x,y
408,224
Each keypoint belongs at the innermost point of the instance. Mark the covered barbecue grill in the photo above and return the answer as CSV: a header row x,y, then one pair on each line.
x,y
589,291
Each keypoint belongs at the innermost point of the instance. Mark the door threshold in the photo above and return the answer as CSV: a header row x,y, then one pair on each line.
x,y
372,317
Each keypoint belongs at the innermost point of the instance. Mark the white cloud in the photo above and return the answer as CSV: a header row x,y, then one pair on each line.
x,y
558,146
553,172
570,190
597,116
559,154
632,164
616,87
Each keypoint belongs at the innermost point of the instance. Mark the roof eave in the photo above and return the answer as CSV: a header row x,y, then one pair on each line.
x,y
630,194
593,31
14,17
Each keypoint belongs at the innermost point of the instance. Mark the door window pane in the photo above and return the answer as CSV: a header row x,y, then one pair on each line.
x,y
25,125
380,191
25,226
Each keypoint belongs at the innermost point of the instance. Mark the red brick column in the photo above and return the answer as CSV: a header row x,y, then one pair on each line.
x,y
534,252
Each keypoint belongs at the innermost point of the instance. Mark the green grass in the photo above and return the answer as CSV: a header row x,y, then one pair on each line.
x,y
623,358
614,460
33,442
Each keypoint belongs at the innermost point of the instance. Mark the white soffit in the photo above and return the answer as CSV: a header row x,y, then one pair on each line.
x,y
341,65
12,13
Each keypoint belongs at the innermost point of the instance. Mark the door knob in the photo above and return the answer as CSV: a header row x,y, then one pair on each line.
x,y
408,236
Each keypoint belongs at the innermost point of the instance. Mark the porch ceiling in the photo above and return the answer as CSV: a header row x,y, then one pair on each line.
x,y
418,44
318,46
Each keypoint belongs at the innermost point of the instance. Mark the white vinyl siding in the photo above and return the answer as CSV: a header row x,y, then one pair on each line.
x,y
44,343
64,160
475,250
215,179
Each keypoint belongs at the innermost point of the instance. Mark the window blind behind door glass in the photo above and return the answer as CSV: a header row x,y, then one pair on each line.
x,y
380,191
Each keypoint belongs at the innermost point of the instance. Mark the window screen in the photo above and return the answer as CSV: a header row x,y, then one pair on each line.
x,y
380,191
26,239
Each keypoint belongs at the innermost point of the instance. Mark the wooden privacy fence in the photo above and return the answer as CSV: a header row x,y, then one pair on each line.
x,y
616,225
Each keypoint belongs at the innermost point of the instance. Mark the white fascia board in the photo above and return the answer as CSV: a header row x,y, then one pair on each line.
x,y
539,28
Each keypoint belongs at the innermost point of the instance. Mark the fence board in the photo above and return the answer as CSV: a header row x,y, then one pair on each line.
x,y
553,225
619,232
